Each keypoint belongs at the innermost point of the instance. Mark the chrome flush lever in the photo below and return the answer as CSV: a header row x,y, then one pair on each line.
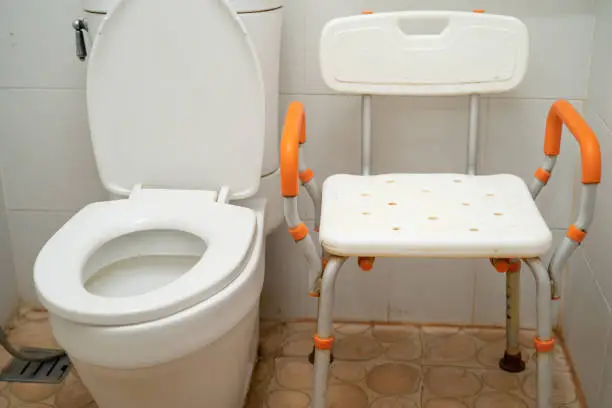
x,y
79,26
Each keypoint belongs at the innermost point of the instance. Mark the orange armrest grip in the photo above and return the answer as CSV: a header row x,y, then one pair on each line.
x,y
294,134
563,113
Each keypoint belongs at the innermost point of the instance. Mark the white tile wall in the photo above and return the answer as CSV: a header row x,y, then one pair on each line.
x,y
9,296
47,164
37,45
422,135
587,320
600,89
606,381
362,295
587,315
29,232
429,290
46,157
558,40
597,245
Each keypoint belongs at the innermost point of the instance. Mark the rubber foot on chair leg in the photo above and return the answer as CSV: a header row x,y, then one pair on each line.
x,y
512,363
311,357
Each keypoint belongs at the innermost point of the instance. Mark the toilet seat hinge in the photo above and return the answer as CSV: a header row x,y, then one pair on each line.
x,y
223,195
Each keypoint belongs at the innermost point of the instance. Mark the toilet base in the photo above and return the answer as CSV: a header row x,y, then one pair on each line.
x,y
215,376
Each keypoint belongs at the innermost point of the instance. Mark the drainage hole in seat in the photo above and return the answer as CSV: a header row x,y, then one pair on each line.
x,y
474,229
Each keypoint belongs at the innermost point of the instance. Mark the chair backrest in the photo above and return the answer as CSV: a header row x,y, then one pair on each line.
x,y
424,53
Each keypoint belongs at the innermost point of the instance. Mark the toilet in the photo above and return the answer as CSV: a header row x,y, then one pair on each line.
x,y
154,296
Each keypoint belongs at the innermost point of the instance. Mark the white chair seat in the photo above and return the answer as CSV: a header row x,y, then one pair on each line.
x,y
431,215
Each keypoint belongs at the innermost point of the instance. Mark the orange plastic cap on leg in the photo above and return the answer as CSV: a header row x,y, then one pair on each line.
x,y
366,263
500,265
542,175
544,346
575,234
306,176
299,232
514,266
323,344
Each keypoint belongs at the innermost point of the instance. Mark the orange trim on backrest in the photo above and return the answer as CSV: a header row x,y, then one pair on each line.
x,y
294,133
562,112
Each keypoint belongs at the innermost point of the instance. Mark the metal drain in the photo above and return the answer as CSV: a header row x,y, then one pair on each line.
x,y
49,372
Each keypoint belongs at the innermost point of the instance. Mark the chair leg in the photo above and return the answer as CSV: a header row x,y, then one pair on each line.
x,y
324,338
512,360
544,341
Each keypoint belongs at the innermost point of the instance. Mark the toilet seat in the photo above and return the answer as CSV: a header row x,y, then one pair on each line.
x,y
227,230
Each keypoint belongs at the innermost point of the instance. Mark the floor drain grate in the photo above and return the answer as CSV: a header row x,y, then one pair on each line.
x,y
49,372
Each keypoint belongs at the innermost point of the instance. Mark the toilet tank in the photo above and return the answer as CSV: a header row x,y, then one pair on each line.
x,y
263,22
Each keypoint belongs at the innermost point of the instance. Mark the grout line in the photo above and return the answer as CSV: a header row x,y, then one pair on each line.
x,y
383,323
608,128
600,290
490,97
42,210
580,395
38,89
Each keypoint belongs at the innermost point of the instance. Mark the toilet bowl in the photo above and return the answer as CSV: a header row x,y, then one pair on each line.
x,y
130,346
155,296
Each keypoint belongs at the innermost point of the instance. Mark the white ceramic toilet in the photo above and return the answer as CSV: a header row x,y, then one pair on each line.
x,y
155,296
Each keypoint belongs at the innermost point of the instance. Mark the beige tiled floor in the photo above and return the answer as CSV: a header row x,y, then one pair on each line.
x,y
375,367
384,366
31,329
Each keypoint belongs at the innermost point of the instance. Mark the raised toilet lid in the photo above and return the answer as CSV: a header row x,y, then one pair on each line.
x,y
227,230
175,98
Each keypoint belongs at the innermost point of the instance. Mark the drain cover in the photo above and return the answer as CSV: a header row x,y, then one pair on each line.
x,y
50,372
